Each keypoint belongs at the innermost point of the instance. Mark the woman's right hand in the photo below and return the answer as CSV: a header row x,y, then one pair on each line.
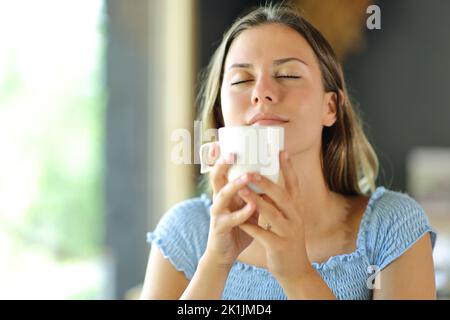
x,y
226,240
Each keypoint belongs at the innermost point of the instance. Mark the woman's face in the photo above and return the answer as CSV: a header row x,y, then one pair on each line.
x,y
271,69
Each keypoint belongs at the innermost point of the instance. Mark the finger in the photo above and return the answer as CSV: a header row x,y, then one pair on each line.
x,y
223,198
236,203
275,192
264,237
269,212
254,217
289,175
213,153
218,174
265,197
238,217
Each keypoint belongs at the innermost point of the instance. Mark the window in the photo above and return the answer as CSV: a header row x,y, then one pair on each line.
x,y
51,140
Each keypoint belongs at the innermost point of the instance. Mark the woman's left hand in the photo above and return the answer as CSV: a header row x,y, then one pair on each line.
x,y
284,235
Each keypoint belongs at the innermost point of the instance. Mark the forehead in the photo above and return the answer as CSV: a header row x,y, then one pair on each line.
x,y
267,43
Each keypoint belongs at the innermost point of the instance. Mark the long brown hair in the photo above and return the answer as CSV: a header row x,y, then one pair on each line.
x,y
350,165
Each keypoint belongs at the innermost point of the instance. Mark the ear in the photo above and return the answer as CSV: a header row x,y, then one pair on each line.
x,y
330,105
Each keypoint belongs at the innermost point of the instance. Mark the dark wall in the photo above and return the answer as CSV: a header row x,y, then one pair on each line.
x,y
215,17
127,160
402,82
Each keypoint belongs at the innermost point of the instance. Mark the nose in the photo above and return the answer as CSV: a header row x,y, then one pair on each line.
x,y
264,92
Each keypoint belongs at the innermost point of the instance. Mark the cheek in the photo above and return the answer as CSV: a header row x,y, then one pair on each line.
x,y
308,93
234,107
306,128
308,101
306,106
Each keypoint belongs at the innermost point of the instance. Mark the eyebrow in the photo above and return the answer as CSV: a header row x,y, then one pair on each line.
x,y
276,63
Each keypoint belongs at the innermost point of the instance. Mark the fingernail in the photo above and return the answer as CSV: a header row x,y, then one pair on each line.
x,y
243,178
286,156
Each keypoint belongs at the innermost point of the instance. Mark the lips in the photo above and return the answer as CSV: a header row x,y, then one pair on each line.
x,y
267,119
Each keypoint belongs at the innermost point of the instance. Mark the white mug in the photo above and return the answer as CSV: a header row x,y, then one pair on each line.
x,y
257,149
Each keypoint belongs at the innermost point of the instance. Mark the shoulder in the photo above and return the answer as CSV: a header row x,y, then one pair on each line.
x,y
186,219
190,212
389,209
394,221
182,233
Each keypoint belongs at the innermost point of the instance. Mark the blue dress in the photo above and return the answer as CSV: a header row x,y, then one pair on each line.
x,y
391,224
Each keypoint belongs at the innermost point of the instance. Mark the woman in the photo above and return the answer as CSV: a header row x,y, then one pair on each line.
x,y
324,231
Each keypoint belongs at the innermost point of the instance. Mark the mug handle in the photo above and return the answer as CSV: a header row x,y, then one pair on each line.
x,y
204,150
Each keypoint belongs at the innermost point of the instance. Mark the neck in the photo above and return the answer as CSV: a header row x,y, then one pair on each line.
x,y
318,199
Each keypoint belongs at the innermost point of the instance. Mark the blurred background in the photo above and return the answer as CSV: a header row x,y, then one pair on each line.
x,y
92,90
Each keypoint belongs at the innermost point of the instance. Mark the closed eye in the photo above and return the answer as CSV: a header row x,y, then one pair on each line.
x,y
278,77
239,82
288,77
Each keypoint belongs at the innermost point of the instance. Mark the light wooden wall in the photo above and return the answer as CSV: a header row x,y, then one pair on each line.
x,y
179,94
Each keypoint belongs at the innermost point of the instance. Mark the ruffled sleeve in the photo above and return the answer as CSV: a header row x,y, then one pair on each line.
x,y
182,233
396,224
